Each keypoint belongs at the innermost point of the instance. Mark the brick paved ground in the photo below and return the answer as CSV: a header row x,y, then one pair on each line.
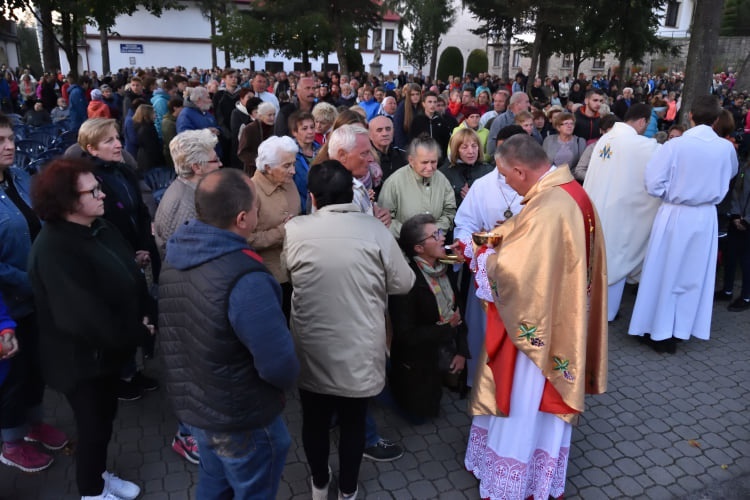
x,y
633,442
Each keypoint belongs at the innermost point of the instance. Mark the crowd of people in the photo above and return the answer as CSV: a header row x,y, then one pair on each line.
x,y
366,235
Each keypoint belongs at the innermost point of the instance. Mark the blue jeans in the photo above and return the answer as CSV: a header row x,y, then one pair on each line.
x,y
243,465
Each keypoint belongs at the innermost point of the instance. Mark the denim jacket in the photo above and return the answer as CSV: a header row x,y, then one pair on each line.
x,y
15,245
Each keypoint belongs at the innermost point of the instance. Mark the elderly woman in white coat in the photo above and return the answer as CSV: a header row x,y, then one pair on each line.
x,y
278,201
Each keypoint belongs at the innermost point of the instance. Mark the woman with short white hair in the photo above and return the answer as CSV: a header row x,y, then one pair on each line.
x,y
254,134
194,156
278,201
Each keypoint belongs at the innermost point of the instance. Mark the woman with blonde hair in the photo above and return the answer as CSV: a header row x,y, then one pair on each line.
x,y
466,162
325,115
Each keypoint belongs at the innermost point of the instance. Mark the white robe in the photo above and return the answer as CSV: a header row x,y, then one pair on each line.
x,y
481,210
691,175
614,183
524,454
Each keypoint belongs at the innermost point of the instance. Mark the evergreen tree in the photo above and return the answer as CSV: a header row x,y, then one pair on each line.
x,y
427,21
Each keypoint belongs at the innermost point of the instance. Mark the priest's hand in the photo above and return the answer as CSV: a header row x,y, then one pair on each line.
x,y
464,190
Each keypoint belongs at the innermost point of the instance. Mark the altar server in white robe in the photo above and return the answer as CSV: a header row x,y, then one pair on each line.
x,y
614,183
489,202
690,175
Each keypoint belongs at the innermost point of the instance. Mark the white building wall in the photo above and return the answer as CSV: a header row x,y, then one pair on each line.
x,y
182,38
684,20
460,35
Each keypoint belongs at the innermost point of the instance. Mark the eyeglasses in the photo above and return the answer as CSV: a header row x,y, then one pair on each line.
x,y
95,193
435,236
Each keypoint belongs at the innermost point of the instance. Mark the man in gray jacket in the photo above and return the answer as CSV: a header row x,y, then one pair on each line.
x,y
343,264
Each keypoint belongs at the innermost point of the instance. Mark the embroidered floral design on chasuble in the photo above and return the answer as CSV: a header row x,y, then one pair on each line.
x,y
528,333
561,365
606,152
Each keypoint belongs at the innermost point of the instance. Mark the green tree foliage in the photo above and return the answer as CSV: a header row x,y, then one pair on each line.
x,y
75,15
477,62
354,60
585,29
631,33
298,28
426,21
451,63
29,48
736,18
585,37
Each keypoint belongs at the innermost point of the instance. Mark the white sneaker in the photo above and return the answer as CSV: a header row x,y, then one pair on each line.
x,y
120,488
352,496
321,493
106,495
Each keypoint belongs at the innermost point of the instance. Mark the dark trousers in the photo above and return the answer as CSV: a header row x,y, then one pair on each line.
x,y
317,411
94,404
737,251
23,389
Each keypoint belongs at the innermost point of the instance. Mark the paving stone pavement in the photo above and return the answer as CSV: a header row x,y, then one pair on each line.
x,y
670,426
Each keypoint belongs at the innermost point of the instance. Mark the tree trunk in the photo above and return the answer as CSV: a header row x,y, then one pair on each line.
x,y
743,80
212,21
704,42
535,50
621,69
104,38
507,37
50,53
577,60
305,60
433,59
544,62
69,42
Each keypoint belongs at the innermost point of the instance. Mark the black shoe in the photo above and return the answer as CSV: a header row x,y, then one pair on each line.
x,y
128,391
668,346
145,383
721,295
383,451
739,305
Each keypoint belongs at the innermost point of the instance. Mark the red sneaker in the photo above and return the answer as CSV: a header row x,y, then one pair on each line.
x,y
50,437
25,456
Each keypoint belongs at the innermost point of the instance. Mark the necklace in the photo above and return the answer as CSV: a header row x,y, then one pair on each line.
x,y
508,212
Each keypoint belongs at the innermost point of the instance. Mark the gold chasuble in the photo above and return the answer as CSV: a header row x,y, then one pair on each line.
x,y
549,283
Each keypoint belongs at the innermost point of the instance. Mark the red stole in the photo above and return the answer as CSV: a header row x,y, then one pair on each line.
x,y
501,352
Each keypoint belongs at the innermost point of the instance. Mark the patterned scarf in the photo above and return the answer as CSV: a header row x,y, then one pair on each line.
x,y
437,280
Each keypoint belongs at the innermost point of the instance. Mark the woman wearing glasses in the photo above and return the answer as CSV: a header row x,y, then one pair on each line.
x,y
564,148
124,208
429,336
91,302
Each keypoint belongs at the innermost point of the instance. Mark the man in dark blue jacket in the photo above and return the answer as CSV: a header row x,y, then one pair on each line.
x,y
228,354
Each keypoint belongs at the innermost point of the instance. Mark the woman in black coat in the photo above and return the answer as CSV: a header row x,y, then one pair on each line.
x,y
427,324
150,153
93,310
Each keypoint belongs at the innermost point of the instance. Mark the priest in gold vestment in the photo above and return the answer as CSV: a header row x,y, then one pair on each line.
x,y
546,342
